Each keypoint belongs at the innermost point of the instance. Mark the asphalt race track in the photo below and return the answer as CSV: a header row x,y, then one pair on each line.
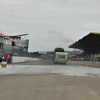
x,y
43,80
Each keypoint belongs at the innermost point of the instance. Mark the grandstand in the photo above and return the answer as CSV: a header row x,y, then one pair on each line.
x,y
12,43
90,44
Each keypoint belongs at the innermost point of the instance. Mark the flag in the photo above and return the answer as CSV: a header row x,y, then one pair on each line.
x,y
6,37
19,44
16,43
10,40
1,34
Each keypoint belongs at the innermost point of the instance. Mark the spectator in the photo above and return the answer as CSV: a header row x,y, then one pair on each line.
x,y
3,57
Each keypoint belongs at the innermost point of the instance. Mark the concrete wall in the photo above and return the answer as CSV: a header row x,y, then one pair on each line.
x,y
16,59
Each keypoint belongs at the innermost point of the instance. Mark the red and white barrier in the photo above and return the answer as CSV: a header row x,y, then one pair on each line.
x,y
3,62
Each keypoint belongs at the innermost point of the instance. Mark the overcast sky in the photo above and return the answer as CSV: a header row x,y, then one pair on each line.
x,y
50,23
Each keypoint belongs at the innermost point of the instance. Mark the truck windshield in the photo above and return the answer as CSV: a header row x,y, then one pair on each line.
x,y
59,50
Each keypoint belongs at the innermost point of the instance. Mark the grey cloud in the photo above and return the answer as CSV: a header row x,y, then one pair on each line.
x,y
51,40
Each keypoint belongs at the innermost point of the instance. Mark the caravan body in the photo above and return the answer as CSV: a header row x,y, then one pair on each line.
x,y
60,57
